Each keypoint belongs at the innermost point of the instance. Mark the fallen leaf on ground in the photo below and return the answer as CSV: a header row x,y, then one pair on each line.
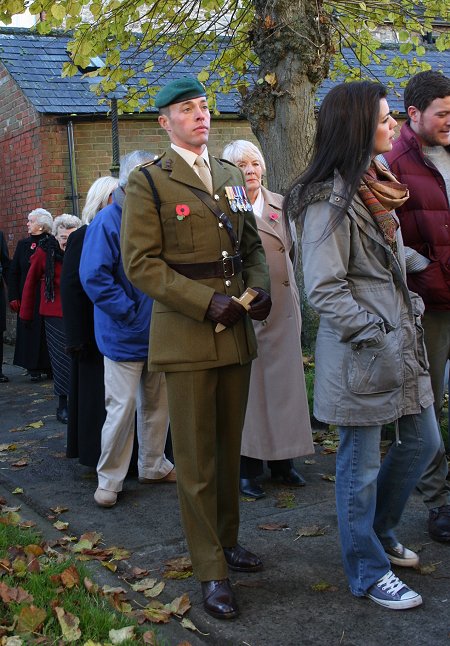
x,y
69,624
149,638
8,447
286,500
109,566
180,605
121,634
17,490
138,572
309,462
60,525
312,530
38,424
30,619
143,584
70,577
187,623
150,593
58,510
87,541
329,477
20,463
274,527
157,613
323,586
178,568
428,568
16,595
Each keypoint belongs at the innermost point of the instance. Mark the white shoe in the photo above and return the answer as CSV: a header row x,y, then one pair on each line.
x,y
400,555
392,593
105,498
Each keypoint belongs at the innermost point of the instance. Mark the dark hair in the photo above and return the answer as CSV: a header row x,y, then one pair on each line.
x,y
346,125
423,88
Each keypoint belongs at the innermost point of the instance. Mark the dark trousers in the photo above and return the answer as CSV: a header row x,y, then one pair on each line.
x,y
253,467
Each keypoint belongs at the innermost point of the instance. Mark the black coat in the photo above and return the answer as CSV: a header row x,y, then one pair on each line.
x,y
4,271
87,391
31,346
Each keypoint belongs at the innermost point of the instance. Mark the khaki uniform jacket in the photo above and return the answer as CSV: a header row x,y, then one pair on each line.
x,y
277,425
181,338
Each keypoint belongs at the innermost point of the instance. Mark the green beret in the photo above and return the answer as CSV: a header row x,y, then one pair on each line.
x,y
179,90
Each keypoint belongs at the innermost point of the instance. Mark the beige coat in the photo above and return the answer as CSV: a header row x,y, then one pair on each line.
x,y
277,423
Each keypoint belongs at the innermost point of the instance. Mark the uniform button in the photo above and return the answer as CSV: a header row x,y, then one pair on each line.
x,y
286,283
225,254
220,225
216,197
228,283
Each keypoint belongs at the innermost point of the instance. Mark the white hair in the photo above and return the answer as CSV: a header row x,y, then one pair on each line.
x,y
240,150
65,221
130,161
97,197
43,218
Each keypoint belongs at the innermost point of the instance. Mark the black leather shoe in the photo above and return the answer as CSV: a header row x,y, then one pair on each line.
x,y
241,560
219,600
248,487
291,478
62,415
439,524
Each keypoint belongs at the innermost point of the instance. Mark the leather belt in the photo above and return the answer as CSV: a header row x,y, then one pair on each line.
x,y
223,268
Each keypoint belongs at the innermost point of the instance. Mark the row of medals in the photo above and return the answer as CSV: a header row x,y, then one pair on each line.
x,y
237,198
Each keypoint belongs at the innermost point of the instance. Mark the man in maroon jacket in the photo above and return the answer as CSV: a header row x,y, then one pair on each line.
x,y
420,158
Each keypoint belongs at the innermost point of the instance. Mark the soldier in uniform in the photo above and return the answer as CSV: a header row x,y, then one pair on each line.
x,y
189,239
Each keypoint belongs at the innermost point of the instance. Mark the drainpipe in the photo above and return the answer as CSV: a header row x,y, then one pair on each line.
x,y
73,170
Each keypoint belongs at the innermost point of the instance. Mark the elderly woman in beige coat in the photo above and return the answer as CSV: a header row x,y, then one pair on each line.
x,y
277,426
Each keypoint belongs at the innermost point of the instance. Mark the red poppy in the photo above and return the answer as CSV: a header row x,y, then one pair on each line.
x,y
274,216
33,245
183,210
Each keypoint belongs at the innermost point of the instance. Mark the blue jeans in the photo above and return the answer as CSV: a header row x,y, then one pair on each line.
x,y
370,499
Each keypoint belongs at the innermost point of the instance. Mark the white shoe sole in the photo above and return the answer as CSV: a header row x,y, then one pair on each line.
x,y
397,605
411,562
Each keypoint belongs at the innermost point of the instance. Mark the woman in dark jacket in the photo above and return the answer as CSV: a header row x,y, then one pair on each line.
x,y
87,391
4,269
31,350
45,271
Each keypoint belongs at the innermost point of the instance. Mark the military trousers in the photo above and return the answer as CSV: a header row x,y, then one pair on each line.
x,y
207,410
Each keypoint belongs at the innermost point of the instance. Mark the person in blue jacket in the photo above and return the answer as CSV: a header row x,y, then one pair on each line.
x,y
122,317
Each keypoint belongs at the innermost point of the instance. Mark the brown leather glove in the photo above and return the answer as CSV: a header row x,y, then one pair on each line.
x,y
15,306
223,309
260,305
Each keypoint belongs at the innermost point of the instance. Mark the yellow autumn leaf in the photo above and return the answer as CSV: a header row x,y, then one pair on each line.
x,y
60,525
35,424
69,625
122,634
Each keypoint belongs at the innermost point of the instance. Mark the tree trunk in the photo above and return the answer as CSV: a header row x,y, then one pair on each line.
x,y
292,39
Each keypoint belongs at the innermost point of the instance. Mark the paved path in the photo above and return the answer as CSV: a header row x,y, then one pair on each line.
x,y
280,606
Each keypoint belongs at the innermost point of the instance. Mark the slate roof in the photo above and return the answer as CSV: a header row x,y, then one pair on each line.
x,y
35,62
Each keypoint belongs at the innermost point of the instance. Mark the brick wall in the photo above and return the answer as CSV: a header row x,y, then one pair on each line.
x,y
93,147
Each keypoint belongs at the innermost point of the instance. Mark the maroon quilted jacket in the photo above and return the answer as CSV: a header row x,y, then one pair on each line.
x,y
424,218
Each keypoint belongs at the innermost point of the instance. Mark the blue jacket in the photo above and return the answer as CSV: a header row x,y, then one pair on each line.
x,y
122,313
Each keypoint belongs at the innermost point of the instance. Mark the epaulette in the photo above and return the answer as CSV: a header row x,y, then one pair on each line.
x,y
227,161
155,160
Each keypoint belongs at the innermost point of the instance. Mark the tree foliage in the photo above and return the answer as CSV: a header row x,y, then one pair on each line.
x,y
232,36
